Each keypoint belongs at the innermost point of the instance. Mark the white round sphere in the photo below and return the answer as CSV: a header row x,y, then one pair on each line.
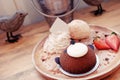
x,y
77,50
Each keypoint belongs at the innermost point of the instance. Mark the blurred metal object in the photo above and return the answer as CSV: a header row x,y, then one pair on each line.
x,y
12,24
93,2
51,9
97,3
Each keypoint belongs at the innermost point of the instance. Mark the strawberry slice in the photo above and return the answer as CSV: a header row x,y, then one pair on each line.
x,y
113,41
100,44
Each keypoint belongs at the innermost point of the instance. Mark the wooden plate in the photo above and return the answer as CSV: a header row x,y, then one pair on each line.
x,y
109,60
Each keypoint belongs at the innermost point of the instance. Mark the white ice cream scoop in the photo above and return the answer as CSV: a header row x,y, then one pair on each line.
x,y
77,50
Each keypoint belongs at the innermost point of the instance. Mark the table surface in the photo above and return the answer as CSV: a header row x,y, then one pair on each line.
x,y
15,58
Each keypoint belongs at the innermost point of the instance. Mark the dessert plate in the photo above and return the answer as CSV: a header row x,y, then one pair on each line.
x,y
109,61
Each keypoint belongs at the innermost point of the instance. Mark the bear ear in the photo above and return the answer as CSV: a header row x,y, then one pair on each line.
x,y
91,46
57,60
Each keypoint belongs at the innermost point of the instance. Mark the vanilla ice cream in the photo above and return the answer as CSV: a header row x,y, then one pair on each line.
x,y
77,50
79,29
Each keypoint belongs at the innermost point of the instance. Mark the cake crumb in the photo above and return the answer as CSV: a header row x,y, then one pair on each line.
x,y
106,59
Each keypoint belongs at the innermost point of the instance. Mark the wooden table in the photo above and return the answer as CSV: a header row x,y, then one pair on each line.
x,y
15,58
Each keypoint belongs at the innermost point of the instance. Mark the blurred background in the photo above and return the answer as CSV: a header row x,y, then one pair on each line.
x,y
9,7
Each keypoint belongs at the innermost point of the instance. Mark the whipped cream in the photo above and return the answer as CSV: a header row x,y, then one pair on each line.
x,y
57,42
77,50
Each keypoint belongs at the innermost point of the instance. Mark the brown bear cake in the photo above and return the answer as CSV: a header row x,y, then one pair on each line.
x,y
78,59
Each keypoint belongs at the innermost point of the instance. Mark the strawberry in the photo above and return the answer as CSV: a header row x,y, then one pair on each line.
x,y
113,41
100,44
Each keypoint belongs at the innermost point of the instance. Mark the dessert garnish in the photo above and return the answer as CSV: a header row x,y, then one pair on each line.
x,y
113,41
72,41
100,44
91,46
57,60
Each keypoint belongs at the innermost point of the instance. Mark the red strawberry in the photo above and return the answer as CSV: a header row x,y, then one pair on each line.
x,y
113,41
100,44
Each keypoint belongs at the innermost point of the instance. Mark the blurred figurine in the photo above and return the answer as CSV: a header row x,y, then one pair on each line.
x,y
11,24
97,3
